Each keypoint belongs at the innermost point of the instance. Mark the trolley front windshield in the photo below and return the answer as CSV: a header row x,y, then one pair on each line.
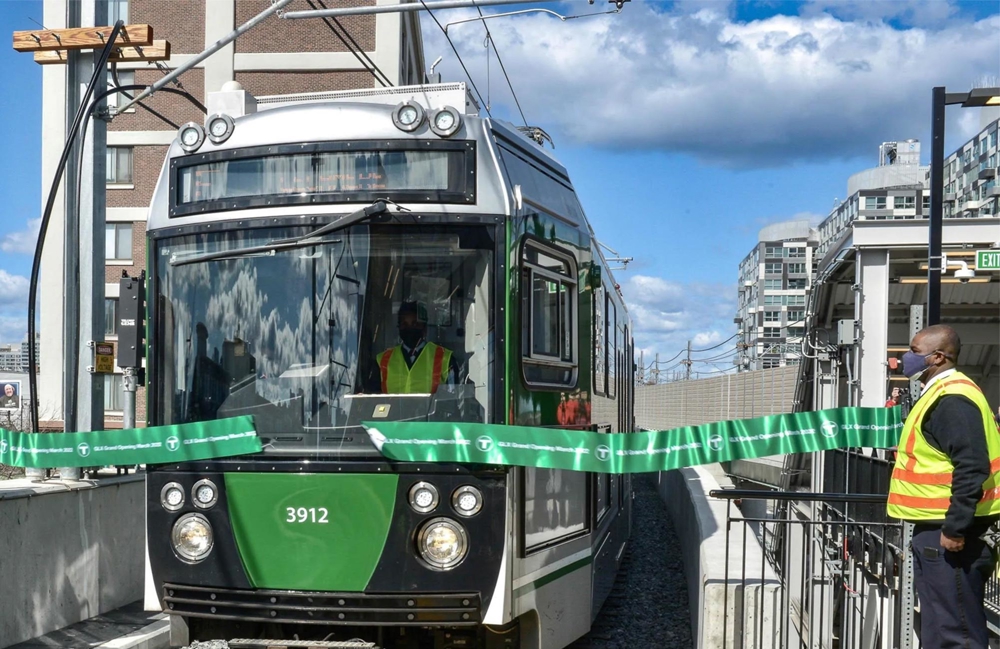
x,y
297,337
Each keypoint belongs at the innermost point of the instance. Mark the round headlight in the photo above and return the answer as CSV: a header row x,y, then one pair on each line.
x,y
467,500
446,121
423,497
408,116
204,494
192,537
191,136
172,496
220,127
442,543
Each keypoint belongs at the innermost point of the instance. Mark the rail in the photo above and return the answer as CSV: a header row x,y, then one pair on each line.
x,y
839,581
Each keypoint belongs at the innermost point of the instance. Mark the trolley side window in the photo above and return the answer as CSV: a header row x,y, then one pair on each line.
x,y
548,316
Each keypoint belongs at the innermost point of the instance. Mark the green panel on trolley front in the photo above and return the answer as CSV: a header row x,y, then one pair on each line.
x,y
317,532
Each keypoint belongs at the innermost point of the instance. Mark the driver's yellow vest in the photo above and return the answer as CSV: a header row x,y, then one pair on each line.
x,y
920,488
428,371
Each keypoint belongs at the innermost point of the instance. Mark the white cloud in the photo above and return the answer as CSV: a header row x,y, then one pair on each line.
x,y
22,242
761,93
13,288
13,327
666,315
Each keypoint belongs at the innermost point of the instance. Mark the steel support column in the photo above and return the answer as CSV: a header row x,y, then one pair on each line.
x,y
873,321
937,207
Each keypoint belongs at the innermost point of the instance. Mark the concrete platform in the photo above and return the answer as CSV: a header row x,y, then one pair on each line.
x,y
128,627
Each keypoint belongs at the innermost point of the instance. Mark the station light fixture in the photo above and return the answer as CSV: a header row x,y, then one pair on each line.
x,y
172,496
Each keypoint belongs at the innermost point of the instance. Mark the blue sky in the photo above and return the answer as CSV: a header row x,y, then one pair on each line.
x,y
686,126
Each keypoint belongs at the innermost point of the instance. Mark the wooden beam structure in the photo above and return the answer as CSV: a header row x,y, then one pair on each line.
x,y
80,38
158,51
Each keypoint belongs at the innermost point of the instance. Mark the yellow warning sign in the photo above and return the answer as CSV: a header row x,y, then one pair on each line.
x,y
105,358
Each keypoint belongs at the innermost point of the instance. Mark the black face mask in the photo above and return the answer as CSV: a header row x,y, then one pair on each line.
x,y
410,337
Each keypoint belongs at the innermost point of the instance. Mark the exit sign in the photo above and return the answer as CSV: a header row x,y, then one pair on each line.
x,y
988,260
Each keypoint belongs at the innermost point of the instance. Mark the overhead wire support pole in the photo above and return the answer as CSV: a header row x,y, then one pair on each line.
x,y
400,8
277,6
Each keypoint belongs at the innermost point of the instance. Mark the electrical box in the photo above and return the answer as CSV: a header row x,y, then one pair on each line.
x,y
132,321
846,332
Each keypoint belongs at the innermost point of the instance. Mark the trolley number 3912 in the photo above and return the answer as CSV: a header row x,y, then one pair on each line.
x,y
306,515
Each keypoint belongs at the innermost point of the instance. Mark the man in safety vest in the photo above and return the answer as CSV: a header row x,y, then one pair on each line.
x,y
947,482
416,366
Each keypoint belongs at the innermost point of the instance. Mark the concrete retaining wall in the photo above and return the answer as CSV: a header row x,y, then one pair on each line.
x,y
68,552
722,602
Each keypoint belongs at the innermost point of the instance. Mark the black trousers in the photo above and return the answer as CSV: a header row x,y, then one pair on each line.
x,y
951,587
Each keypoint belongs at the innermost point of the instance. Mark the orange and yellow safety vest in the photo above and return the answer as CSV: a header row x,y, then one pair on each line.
x,y
920,488
428,372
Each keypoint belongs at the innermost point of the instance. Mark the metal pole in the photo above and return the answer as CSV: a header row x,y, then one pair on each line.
x,y
409,6
937,208
219,44
687,363
130,383
83,393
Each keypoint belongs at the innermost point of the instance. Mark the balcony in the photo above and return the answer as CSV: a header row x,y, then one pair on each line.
x,y
987,174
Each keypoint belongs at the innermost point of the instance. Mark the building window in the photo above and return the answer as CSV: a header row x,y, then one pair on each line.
x,y
796,315
797,284
119,165
772,332
773,268
111,317
875,202
795,300
118,241
113,388
795,253
773,300
773,252
797,268
904,202
772,316
117,10
796,332
118,99
772,284
926,205
771,363
548,313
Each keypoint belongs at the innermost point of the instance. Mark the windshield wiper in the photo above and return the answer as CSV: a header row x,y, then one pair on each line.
x,y
305,241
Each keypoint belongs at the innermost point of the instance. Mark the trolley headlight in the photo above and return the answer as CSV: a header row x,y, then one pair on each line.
x,y
204,494
172,496
443,543
446,121
192,537
192,136
467,500
423,497
220,127
408,116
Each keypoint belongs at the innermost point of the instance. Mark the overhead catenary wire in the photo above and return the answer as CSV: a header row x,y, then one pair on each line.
x,y
459,56
503,69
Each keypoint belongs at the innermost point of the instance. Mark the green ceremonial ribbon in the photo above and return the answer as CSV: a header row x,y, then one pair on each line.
x,y
576,450
155,445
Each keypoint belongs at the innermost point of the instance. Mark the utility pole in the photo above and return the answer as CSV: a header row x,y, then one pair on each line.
x,y
687,364
83,390
656,369
642,368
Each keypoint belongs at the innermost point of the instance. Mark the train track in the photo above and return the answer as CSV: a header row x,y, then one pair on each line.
x,y
648,606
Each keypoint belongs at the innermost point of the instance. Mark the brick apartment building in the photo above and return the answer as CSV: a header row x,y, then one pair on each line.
x,y
277,57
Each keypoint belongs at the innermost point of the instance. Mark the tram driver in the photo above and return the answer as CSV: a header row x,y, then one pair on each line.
x,y
415,366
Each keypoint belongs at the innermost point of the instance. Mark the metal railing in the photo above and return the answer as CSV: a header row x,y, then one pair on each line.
x,y
824,581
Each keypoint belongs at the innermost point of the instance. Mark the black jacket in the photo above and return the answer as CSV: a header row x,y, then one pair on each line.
x,y
954,426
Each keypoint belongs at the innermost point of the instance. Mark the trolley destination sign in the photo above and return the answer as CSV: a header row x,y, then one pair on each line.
x,y
988,260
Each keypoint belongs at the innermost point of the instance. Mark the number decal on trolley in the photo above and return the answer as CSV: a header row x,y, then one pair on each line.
x,y
306,515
